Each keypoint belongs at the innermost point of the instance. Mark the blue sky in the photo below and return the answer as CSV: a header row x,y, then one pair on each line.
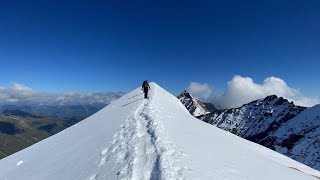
x,y
83,46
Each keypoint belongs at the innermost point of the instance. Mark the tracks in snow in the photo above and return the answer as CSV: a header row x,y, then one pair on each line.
x,y
142,150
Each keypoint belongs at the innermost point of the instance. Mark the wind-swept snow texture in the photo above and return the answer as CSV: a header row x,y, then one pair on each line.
x,y
134,138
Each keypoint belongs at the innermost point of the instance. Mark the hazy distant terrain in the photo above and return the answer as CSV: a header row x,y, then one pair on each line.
x,y
19,129
30,120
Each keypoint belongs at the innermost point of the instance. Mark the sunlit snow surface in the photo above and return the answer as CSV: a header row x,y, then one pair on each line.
x,y
133,138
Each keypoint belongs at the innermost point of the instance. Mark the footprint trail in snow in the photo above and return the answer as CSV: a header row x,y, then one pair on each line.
x,y
142,150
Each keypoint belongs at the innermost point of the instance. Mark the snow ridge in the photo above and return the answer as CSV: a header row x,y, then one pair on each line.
x,y
133,138
142,149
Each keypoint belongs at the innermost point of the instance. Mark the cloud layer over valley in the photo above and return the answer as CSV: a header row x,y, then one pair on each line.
x,y
20,94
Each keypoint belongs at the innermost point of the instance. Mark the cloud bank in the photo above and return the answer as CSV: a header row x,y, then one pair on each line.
x,y
202,91
20,94
242,90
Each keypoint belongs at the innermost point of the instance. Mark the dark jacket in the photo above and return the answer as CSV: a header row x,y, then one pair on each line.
x,y
145,86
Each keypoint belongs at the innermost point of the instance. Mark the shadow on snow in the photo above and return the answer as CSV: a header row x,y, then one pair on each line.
x,y
135,96
132,102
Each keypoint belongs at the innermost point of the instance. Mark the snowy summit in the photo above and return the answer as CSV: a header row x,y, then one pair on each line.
x,y
134,138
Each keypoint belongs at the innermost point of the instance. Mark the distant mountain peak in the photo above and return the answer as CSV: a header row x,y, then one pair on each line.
x,y
270,97
185,93
271,100
195,106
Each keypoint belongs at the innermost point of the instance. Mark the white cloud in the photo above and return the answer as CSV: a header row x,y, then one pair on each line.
x,y
20,87
242,90
201,91
20,94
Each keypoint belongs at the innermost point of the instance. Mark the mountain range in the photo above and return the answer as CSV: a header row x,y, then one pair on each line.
x,y
273,122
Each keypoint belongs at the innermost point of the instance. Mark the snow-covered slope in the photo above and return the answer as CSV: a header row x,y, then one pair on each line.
x,y
194,105
133,138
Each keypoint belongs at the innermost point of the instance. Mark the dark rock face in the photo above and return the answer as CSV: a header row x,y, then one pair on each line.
x,y
291,140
